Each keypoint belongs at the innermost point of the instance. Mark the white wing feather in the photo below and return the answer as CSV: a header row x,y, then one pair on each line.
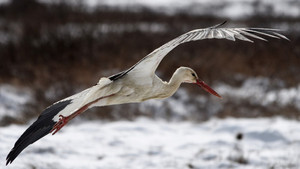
x,y
147,66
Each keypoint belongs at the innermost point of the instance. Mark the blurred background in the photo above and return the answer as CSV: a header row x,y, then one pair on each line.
x,y
51,49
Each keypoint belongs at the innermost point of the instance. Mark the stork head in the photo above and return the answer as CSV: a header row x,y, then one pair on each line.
x,y
190,76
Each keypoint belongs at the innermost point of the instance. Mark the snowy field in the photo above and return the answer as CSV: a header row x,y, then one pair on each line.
x,y
266,143
13,99
234,9
141,144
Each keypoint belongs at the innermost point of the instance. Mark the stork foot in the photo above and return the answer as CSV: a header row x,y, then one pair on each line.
x,y
62,121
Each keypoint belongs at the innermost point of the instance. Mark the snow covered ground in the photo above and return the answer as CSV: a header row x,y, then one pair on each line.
x,y
222,8
263,91
13,100
141,144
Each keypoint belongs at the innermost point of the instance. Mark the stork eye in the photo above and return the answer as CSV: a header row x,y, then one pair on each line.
x,y
193,74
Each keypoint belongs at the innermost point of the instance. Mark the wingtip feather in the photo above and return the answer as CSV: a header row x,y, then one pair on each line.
x,y
37,130
218,25
281,36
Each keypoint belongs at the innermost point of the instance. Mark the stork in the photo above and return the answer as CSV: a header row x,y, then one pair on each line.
x,y
136,84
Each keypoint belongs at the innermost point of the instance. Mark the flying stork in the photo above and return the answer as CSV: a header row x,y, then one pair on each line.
x,y
136,84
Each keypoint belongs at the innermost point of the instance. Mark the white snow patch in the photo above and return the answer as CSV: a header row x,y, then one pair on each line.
x,y
75,30
178,107
158,144
13,99
260,91
224,8
4,1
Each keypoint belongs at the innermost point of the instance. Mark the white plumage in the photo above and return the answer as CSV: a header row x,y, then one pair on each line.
x,y
136,84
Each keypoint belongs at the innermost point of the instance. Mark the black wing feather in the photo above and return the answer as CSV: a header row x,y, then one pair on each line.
x,y
41,127
120,74
116,76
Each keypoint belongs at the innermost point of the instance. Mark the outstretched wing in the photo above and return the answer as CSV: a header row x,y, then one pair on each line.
x,y
41,127
51,121
147,66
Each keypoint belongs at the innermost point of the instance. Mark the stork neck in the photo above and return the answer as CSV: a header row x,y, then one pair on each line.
x,y
174,82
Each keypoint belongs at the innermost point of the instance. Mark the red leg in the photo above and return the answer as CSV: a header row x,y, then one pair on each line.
x,y
62,121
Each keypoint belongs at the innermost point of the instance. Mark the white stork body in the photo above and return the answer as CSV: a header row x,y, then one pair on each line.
x,y
136,84
127,90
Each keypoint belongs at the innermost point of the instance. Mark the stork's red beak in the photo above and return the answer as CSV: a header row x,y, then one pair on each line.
x,y
207,88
